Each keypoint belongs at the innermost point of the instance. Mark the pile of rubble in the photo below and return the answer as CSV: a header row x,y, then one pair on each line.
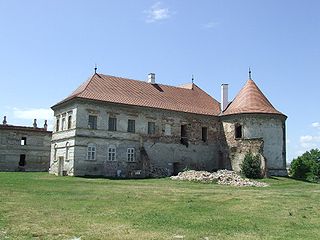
x,y
224,177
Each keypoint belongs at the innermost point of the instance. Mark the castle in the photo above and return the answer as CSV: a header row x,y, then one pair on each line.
x,y
118,127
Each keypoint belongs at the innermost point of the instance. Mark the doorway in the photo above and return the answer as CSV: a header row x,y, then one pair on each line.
x,y
60,166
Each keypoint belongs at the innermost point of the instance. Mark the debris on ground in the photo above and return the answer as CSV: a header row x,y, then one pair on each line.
x,y
224,177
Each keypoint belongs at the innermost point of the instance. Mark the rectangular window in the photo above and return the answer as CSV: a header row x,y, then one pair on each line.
x,y
238,131
69,121
130,154
57,124
204,134
92,122
91,154
151,128
23,141
112,124
63,123
131,126
111,154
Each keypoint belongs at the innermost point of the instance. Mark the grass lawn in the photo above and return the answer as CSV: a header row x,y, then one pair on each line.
x,y
43,206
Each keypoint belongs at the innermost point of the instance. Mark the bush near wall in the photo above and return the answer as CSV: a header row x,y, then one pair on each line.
x,y
306,166
251,166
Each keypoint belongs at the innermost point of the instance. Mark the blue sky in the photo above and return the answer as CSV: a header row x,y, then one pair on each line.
x,y
48,48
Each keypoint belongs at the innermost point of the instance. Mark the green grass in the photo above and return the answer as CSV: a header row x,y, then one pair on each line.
x,y
42,206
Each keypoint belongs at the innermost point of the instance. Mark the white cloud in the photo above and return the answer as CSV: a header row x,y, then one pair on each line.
x,y
38,113
308,141
157,13
210,25
316,125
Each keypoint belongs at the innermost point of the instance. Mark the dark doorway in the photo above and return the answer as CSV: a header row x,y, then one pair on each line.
x,y
22,161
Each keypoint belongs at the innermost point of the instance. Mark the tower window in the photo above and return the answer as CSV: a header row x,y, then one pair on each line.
x,y
23,141
238,131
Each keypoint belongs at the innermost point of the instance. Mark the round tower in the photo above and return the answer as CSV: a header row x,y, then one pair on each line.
x,y
252,124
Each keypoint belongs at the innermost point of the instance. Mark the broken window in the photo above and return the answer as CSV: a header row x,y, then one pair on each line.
x,y
92,122
204,134
131,125
91,152
112,124
130,154
238,131
22,161
69,121
57,124
111,154
184,138
151,127
23,141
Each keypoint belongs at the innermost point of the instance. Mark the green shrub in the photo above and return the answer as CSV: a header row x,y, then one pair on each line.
x,y
251,166
306,166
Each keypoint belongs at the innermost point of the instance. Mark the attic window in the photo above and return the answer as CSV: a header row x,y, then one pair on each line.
x,y
238,131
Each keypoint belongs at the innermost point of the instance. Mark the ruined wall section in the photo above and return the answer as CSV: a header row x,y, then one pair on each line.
x,y
267,127
34,155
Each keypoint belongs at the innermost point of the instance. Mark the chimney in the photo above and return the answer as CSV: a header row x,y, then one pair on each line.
x,y
35,123
224,97
45,126
152,78
4,122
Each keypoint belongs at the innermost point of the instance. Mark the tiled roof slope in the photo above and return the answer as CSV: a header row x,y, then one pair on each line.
x,y
139,93
250,99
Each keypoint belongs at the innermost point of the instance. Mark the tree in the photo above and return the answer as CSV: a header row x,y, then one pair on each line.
x,y
306,166
251,166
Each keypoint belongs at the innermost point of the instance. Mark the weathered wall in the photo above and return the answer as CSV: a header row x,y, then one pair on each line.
x,y
163,152
36,150
269,128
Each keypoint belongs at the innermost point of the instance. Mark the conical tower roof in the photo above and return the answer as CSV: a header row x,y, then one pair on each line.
x,y
250,99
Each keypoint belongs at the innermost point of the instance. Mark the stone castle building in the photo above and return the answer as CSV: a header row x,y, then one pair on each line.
x,y
24,148
118,127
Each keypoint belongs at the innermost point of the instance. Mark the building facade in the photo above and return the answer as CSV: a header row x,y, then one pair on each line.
x,y
24,148
118,127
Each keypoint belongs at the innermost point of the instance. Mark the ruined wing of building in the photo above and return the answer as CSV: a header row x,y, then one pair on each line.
x,y
118,127
24,148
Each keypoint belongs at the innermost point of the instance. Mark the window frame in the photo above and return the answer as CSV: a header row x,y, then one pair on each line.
x,y
131,154
91,152
69,121
112,154
92,124
112,127
238,131
132,126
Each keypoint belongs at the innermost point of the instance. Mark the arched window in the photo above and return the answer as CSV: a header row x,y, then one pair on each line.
x,y
91,152
238,130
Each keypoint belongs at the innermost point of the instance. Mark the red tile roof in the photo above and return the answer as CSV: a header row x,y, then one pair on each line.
x,y
191,98
250,99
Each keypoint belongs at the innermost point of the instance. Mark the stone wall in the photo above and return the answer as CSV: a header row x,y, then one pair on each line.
x,y
163,152
269,128
36,150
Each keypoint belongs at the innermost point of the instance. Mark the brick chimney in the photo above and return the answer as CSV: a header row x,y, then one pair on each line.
x,y
224,97
35,123
152,78
45,126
